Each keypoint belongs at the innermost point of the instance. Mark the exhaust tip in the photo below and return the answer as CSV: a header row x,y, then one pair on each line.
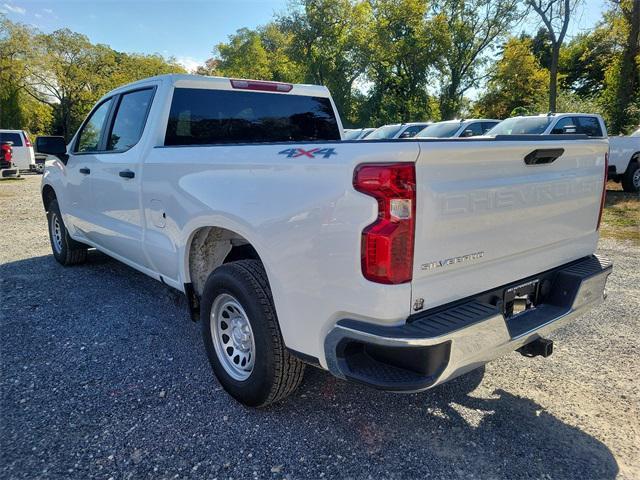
x,y
540,347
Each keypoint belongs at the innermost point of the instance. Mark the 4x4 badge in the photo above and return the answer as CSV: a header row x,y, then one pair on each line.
x,y
301,152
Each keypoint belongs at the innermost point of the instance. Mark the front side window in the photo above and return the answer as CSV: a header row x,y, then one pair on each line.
x,y
201,117
91,133
130,119
412,131
472,130
566,126
11,137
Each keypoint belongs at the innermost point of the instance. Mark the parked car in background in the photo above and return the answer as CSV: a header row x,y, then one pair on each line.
x,y
624,161
41,144
23,156
552,124
397,130
399,265
357,133
7,167
458,128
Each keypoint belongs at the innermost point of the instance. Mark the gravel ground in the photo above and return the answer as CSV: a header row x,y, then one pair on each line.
x,y
103,375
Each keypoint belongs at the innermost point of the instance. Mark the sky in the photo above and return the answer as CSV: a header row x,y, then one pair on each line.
x,y
186,30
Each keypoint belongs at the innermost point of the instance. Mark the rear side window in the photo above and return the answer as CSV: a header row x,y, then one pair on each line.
x,y
200,117
91,133
11,137
130,119
589,126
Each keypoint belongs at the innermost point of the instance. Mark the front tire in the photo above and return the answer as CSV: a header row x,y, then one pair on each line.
x,y
242,336
631,178
65,249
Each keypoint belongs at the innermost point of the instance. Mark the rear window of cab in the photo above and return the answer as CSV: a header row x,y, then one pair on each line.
x,y
11,137
205,117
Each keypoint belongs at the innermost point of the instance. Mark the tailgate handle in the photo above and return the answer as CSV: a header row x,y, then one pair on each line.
x,y
543,156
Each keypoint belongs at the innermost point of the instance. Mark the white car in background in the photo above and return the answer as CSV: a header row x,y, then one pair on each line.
x,y
624,157
23,156
590,125
471,127
357,133
397,130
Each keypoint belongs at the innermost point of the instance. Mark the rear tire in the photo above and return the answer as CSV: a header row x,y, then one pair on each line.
x,y
65,249
242,336
631,178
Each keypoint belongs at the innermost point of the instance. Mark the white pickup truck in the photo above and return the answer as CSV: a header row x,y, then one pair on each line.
x,y
397,264
624,161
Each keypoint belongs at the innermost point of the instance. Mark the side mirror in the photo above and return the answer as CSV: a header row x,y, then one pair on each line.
x,y
467,133
52,146
569,129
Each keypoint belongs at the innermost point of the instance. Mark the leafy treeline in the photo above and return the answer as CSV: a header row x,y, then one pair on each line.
x,y
408,60
49,82
384,61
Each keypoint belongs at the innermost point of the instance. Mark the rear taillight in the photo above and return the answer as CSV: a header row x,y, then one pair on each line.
x,y
261,86
604,188
7,152
387,244
27,142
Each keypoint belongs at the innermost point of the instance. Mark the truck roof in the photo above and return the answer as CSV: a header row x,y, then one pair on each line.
x,y
464,120
221,83
558,114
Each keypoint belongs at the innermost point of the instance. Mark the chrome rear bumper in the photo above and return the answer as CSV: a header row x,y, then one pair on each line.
x,y
436,346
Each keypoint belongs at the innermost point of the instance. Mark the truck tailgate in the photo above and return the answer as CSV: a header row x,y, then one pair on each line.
x,y
485,218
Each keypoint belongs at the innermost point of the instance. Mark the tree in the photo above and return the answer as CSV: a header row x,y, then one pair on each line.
x,y
63,66
19,110
555,15
585,59
516,82
541,47
626,106
473,27
330,38
403,53
69,74
259,54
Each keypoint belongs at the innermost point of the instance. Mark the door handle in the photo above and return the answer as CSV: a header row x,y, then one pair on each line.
x,y
543,156
127,174
84,171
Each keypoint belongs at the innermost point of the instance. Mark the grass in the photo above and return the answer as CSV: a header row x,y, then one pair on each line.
x,y
621,216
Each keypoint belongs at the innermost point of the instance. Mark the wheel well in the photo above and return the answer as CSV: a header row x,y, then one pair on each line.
x,y
48,195
211,247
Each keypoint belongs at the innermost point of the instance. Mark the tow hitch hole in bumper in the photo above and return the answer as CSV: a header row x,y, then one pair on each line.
x,y
541,347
